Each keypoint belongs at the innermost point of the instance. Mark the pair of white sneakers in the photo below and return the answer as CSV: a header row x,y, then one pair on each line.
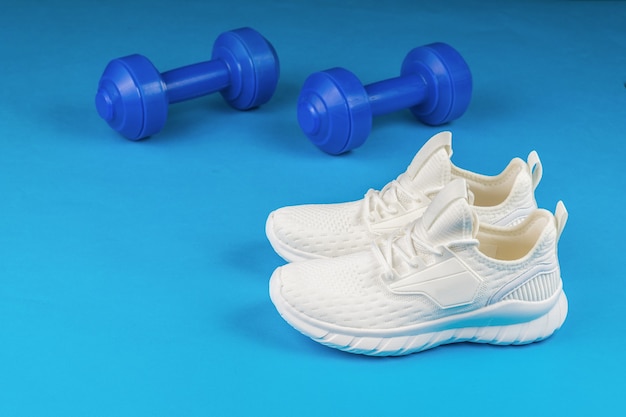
x,y
439,255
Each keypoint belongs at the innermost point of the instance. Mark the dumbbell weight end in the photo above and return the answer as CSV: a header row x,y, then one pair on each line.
x,y
334,110
131,97
448,82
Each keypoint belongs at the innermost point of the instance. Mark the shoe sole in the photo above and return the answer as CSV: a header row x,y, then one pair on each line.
x,y
509,322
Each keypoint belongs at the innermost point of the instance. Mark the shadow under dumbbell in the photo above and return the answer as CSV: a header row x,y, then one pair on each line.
x,y
488,105
286,96
401,118
282,132
189,121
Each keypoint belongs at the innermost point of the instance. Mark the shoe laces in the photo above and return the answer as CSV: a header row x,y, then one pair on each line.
x,y
410,248
387,202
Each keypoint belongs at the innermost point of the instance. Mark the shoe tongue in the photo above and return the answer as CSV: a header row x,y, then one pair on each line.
x,y
431,168
449,216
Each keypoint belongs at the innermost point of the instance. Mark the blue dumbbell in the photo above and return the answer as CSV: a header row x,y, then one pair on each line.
x,y
335,110
133,97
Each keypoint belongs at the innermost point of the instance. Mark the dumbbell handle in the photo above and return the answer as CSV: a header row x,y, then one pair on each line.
x,y
196,80
395,94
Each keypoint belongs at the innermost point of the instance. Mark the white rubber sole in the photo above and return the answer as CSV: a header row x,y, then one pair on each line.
x,y
508,322
286,252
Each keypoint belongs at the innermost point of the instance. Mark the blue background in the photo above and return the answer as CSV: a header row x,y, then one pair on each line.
x,y
133,275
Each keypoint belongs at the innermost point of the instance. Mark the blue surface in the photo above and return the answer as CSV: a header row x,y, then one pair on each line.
x,y
133,275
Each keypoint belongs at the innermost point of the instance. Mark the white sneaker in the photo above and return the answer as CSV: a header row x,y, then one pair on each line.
x,y
329,230
442,279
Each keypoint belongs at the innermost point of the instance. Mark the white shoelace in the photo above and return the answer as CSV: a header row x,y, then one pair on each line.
x,y
378,205
410,246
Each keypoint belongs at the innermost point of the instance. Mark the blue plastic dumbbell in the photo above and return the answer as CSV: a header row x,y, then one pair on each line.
x,y
335,110
133,97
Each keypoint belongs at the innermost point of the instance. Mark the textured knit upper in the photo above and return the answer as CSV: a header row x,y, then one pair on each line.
x,y
362,290
329,230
